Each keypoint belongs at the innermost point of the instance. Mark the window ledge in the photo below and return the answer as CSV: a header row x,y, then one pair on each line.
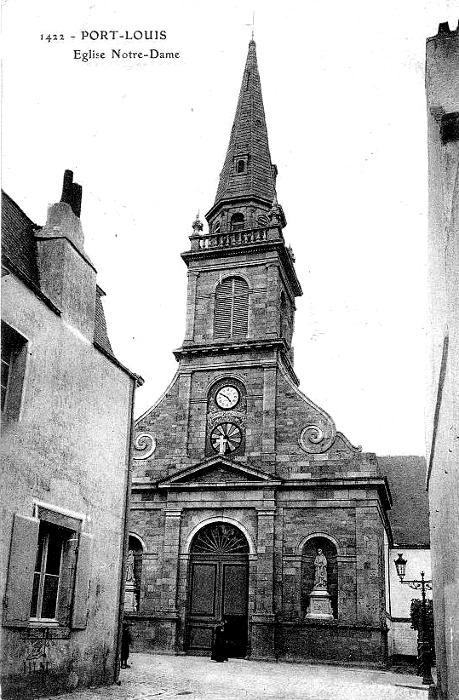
x,y
50,630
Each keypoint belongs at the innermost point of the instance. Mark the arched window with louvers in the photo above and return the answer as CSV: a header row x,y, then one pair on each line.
x,y
231,317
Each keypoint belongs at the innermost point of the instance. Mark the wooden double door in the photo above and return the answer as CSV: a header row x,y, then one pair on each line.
x,y
218,590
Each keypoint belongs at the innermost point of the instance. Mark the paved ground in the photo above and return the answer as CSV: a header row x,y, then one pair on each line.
x,y
154,676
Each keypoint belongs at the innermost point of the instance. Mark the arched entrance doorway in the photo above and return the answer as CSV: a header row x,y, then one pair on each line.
x,y
217,588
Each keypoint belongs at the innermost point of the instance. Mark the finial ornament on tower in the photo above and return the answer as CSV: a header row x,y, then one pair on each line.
x,y
252,24
274,212
197,225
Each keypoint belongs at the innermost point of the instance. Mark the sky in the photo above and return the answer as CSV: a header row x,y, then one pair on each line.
x,y
343,90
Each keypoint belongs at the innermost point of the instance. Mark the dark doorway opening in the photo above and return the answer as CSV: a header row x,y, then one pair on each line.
x,y
217,589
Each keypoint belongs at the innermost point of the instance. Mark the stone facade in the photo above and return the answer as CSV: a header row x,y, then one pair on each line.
x,y
67,418
442,405
234,452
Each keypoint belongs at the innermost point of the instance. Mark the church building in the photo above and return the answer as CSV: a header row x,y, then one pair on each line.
x,y
247,504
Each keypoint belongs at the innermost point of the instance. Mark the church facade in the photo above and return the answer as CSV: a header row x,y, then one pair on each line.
x,y
247,504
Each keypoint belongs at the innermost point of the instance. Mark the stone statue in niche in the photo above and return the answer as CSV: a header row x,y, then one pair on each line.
x,y
130,591
320,565
319,597
130,567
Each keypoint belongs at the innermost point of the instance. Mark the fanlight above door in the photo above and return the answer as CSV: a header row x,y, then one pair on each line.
x,y
220,538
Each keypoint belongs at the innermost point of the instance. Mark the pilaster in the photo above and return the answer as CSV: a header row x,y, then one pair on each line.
x,y
269,409
191,304
273,305
183,413
263,619
367,533
170,559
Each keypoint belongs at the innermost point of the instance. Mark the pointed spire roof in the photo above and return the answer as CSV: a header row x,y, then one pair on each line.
x,y
248,144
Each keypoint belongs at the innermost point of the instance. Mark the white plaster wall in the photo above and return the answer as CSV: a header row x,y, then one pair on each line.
x,y
68,449
402,639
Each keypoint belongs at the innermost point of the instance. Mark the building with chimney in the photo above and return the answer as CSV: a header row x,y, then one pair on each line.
x,y
67,413
248,504
442,400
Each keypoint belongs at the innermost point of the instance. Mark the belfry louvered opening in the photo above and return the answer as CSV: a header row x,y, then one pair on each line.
x,y
231,308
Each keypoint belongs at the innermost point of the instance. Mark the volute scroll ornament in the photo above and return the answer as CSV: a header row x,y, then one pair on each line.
x,y
315,439
144,446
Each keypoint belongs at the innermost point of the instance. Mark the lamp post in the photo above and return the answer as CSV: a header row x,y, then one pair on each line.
x,y
424,651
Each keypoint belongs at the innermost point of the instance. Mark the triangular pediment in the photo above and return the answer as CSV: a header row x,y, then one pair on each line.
x,y
218,471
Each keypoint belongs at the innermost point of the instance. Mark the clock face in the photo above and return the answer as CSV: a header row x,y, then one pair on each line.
x,y
226,438
227,397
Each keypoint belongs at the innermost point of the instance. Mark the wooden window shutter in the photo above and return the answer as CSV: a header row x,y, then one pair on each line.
x,y
231,308
23,554
222,318
240,316
64,602
80,593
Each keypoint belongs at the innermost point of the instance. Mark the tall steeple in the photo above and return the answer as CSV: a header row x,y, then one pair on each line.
x,y
242,281
248,173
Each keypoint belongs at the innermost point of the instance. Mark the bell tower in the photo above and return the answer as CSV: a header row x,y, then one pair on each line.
x,y
241,278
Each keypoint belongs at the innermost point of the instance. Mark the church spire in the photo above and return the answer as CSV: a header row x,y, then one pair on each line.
x,y
247,171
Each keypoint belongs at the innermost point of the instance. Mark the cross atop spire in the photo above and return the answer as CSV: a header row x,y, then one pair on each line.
x,y
247,171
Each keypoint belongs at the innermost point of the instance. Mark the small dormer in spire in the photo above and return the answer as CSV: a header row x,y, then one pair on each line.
x,y
248,174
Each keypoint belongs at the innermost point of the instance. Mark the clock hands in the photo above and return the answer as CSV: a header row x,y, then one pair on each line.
x,y
227,397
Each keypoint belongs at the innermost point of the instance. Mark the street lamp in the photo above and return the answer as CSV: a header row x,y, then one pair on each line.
x,y
424,651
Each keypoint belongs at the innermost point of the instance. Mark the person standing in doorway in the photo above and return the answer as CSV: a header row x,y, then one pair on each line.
x,y
219,652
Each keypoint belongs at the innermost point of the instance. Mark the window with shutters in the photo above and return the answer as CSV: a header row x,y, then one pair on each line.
x,y
231,308
14,352
48,571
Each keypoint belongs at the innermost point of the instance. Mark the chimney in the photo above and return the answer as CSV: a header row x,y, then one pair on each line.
x,y
71,193
67,275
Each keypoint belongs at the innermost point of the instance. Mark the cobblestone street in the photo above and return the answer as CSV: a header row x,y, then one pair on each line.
x,y
153,676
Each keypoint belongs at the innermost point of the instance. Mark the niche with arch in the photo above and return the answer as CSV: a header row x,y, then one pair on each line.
x,y
134,568
237,222
309,553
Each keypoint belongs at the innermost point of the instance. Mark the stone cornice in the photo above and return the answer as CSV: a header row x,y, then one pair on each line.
x,y
257,248
193,350
276,483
